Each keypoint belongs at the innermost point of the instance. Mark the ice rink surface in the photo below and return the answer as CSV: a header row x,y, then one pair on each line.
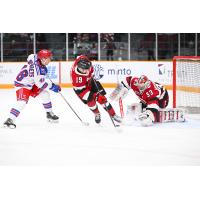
x,y
37,142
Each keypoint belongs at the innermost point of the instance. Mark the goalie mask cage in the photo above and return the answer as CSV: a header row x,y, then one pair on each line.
x,y
186,83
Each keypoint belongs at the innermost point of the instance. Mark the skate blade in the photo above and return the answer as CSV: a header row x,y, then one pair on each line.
x,y
117,121
117,125
10,127
52,121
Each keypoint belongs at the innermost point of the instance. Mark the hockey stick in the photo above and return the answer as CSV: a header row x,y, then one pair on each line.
x,y
115,125
84,123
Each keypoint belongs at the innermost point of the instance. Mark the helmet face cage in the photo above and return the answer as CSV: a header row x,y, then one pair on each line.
x,y
84,64
135,81
143,82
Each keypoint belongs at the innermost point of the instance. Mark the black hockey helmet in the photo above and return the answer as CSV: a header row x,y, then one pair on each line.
x,y
84,63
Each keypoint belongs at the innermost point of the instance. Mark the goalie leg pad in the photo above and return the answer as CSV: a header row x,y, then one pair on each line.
x,y
172,115
134,110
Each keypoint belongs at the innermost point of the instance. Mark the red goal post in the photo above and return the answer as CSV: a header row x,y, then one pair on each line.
x,y
186,82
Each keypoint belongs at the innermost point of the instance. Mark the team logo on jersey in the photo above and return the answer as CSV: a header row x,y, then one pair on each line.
x,y
98,71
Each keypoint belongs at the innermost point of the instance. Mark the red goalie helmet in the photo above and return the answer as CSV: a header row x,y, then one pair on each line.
x,y
142,79
134,80
44,53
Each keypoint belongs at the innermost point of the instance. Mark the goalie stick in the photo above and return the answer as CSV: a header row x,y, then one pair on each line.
x,y
121,107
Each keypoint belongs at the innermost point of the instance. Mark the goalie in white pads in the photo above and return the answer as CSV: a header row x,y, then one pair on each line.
x,y
31,81
153,97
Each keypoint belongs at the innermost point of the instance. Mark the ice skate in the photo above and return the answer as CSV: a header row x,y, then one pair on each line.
x,y
97,118
9,124
51,117
117,118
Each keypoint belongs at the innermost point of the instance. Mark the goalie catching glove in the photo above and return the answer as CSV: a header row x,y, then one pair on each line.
x,y
146,118
120,91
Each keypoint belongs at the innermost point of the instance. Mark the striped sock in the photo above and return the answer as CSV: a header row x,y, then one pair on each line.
x,y
14,113
47,106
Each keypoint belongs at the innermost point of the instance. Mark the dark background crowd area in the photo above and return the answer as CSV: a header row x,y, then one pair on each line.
x,y
100,46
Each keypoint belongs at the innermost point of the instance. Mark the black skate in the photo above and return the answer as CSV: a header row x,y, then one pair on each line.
x,y
9,124
117,118
51,117
97,118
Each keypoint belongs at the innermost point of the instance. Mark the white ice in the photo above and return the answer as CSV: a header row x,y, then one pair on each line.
x,y
37,142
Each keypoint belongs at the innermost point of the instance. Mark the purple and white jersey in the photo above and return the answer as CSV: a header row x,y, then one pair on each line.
x,y
33,73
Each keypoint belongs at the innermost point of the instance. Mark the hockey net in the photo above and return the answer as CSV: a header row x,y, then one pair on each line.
x,y
186,83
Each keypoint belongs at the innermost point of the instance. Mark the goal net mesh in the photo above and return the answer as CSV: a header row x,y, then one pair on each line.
x,y
188,84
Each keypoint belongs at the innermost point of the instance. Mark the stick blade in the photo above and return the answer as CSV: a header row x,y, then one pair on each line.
x,y
85,123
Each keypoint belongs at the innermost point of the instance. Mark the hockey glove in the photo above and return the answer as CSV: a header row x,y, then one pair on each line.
x,y
35,91
55,88
146,118
101,99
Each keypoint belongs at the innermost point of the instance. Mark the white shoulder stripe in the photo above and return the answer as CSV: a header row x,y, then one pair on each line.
x,y
79,88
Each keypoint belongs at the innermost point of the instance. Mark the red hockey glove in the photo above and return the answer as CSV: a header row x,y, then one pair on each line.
x,y
35,91
101,99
